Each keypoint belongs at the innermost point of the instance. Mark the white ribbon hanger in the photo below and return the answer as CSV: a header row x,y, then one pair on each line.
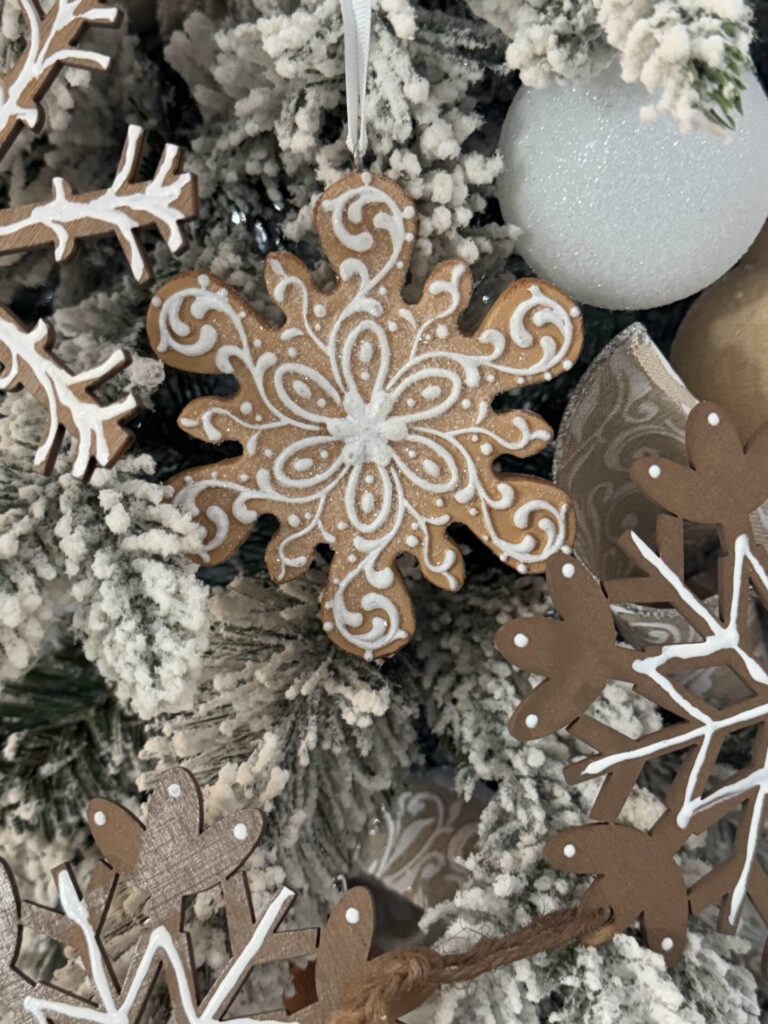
x,y
357,45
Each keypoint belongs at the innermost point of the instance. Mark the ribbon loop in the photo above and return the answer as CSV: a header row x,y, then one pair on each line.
x,y
357,45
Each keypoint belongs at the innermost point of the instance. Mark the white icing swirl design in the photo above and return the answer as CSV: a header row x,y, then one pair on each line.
x,y
368,424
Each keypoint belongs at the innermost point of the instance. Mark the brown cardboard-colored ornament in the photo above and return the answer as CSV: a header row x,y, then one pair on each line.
x,y
164,202
169,858
366,422
722,486
721,347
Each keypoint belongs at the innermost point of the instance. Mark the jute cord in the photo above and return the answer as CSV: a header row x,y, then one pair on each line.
x,y
403,979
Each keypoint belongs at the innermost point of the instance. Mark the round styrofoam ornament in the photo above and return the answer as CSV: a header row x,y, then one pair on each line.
x,y
625,213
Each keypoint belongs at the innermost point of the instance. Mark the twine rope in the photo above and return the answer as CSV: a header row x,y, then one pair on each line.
x,y
403,979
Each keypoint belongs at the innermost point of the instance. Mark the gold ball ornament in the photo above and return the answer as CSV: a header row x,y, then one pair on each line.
x,y
721,347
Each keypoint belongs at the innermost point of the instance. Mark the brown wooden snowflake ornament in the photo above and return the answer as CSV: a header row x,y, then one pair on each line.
x,y
637,875
164,202
167,859
366,422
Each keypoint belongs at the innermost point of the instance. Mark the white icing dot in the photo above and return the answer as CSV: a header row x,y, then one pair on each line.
x,y
268,453
369,478
319,309
567,364
566,549
323,453
341,525
473,512
240,831
531,721
411,453
302,390
243,478
352,916
292,352
569,570
399,264
365,375
156,301
303,465
431,392
99,818
520,640
475,438
442,331
382,291
569,850
328,627
351,559
431,468
410,402
203,280
667,943
409,236
440,503
654,471
391,326
174,790
466,404
575,311
411,541
713,419
522,569
246,408
294,520
547,375
409,212
365,177
486,448
491,378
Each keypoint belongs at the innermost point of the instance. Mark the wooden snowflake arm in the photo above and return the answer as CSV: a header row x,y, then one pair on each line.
x,y
164,202
52,44
98,431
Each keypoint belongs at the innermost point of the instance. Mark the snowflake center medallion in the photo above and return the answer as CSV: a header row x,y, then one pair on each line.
x,y
366,422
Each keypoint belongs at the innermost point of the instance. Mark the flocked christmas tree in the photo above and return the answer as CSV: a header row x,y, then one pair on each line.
x,y
118,659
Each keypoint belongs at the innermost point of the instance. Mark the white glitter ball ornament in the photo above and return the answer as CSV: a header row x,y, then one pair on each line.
x,y
623,213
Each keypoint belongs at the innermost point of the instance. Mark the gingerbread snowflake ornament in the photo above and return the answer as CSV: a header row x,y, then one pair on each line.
x,y
127,205
366,422
637,874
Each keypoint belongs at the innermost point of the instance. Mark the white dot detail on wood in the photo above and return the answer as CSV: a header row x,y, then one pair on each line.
x,y
531,721
569,850
569,570
352,915
654,472
521,640
100,818
240,831
174,790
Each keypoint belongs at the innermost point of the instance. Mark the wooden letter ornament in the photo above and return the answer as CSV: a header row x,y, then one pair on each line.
x,y
365,422
164,202
578,654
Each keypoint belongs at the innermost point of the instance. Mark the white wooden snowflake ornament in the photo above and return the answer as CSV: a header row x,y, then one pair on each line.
x,y
165,202
366,422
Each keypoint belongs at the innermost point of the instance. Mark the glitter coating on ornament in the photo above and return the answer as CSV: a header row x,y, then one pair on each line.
x,y
624,213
